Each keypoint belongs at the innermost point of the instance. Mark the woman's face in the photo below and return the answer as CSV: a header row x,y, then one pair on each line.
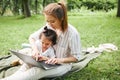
x,y
53,22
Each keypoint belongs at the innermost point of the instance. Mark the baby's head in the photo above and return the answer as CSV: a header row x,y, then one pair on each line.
x,y
48,38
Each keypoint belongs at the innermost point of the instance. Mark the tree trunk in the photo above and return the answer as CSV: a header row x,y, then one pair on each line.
x,y
118,11
26,8
43,3
36,5
15,8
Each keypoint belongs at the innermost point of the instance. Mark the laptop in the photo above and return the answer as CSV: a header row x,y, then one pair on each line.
x,y
29,60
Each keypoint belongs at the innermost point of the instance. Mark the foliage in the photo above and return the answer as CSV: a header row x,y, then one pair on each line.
x,y
16,6
36,6
92,4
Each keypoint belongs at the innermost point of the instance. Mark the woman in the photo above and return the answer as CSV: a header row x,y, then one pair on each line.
x,y
67,48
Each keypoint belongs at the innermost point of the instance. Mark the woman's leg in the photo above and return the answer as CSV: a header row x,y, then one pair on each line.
x,y
59,71
35,73
22,69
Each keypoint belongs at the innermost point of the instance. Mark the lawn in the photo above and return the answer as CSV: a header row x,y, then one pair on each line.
x,y
94,27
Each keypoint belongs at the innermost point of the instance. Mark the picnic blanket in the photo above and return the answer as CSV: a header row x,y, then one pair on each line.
x,y
87,55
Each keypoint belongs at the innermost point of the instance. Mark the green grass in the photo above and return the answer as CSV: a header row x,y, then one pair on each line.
x,y
14,31
94,28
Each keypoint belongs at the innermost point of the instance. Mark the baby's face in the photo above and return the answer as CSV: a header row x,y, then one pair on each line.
x,y
45,43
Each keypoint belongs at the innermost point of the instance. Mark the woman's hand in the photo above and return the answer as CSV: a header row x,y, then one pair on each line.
x,y
54,61
61,60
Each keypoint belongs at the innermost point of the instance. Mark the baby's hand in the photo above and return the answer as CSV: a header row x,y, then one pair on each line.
x,y
42,58
35,57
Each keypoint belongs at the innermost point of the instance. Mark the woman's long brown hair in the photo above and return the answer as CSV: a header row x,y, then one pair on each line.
x,y
59,11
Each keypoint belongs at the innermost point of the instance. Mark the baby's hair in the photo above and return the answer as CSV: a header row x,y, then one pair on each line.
x,y
49,34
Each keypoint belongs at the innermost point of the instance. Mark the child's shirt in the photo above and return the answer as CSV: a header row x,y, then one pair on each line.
x,y
50,52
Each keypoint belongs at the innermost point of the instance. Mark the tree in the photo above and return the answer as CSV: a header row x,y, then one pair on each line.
x,y
43,3
118,11
36,4
26,10
5,6
15,7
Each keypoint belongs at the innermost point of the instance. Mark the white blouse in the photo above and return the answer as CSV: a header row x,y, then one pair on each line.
x,y
50,52
68,43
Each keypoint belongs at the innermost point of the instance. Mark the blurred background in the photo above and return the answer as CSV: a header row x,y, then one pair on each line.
x,y
30,7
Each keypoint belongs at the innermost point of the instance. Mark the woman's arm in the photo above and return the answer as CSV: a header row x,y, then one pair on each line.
x,y
61,60
67,60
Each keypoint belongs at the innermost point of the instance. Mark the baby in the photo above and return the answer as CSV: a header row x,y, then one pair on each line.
x,y
45,46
